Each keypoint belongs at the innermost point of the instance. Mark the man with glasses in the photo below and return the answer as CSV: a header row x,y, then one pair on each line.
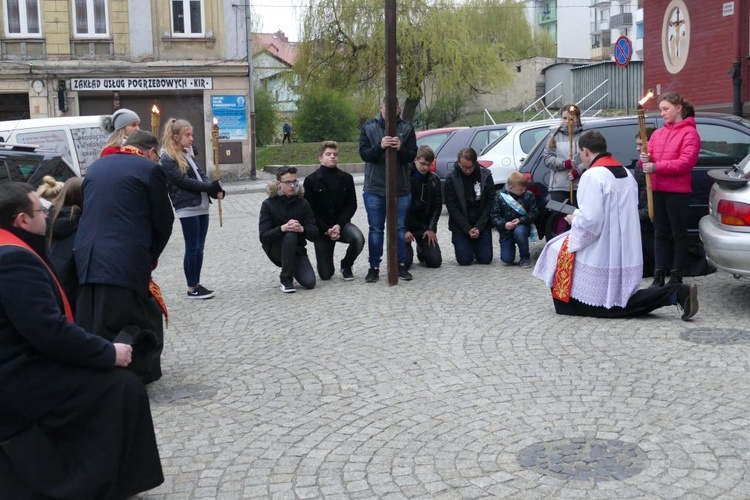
x,y
469,197
125,224
424,212
332,197
286,221
64,402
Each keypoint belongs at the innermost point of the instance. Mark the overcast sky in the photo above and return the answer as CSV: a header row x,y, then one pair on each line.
x,y
277,15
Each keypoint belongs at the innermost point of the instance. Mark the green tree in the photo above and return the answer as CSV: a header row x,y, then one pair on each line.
x,y
324,114
265,117
344,43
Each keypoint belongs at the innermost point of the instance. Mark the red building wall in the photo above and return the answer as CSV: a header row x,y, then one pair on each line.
x,y
704,80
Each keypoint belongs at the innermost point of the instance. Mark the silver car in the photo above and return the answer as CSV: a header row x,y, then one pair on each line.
x,y
725,231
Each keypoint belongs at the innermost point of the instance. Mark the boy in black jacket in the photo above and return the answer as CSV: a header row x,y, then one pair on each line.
x,y
286,221
424,212
330,192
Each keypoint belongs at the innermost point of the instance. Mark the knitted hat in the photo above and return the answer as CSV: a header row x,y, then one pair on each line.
x,y
122,118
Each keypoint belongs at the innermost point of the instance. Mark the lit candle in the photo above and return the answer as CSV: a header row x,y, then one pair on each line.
x,y
217,171
155,119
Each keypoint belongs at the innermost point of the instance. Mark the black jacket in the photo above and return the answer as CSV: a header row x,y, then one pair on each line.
x,y
331,207
426,203
371,133
456,203
43,357
185,188
278,210
125,224
61,237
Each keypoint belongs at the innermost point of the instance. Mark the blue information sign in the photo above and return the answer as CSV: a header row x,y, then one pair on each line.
x,y
231,111
623,51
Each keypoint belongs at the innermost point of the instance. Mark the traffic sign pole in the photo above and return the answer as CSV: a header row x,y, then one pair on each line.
x,y
623,53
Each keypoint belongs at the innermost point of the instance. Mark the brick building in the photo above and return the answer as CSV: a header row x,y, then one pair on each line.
x,y
696,48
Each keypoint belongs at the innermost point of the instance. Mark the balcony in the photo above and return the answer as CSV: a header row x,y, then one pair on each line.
x,y
601,53
599,27
619,20
600,3
548,16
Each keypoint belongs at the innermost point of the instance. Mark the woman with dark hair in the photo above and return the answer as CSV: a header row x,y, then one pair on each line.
x,y
62,225
672,153
561,154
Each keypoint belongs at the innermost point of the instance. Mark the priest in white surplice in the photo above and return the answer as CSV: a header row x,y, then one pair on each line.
x,y
595,269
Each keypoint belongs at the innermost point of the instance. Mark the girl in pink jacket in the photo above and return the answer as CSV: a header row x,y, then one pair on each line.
x,y
672,153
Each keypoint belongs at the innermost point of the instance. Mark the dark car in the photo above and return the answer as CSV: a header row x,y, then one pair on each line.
x,y
725,140
21,163
455,140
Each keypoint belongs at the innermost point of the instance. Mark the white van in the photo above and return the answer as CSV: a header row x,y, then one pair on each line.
x,y
78,138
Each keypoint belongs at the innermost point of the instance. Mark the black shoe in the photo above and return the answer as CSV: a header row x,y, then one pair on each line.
x,y
403,273
200,293
675,277
372,275
658,278
287,285
687,300
347,274
204,289
524,263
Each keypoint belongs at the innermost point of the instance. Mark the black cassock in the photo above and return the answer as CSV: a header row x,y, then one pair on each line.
x,y
71,426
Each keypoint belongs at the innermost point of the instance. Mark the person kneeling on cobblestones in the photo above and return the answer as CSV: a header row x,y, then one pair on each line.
x,y
286,221
595,268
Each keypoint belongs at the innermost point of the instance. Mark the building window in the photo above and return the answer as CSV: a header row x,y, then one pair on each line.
x,y
187,17
639,31
22,18
90,18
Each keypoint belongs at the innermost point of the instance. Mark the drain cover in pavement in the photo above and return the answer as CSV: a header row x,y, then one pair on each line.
x,y
584,459
716,336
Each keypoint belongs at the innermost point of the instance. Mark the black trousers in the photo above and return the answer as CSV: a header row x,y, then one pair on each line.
x,y
430,255
97,444
642,302
105,309
292,260
324,247
671,211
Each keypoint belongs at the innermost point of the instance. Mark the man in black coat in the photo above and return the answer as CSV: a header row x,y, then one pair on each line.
x,y
424,212
71,425
286,221
330,192
126,222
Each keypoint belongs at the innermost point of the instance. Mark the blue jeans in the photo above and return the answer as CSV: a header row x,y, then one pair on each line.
x,y
520,238
468,249
375,207
194,231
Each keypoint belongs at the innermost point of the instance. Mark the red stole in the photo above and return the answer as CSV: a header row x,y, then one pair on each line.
x,y
9,239
563,282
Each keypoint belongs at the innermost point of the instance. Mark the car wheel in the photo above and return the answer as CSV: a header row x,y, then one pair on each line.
x,y
556,224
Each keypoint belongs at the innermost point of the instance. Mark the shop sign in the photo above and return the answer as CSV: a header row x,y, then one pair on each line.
x,y
139,84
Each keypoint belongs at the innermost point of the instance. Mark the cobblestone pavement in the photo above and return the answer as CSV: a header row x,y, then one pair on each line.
x,y
462,383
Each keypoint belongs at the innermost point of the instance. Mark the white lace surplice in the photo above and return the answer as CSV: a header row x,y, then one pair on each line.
x,y
606,238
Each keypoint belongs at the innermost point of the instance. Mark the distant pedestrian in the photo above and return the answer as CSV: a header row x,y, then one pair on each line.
x,y
189,190
561,155
287,130
286,221
514,214
424,212
469,196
